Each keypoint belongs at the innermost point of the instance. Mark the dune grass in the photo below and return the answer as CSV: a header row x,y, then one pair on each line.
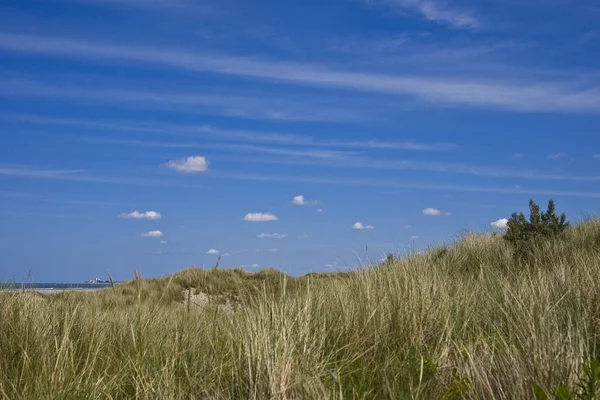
x,y
469,320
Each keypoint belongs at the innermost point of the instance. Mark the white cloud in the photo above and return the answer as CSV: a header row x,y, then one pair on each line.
x,y
260,217
319,210
500,224
153,234
437,11
555,156
358,225
190,164
141,215
522,95
434,212
414,237
596,155
305,236
519,155
213,252
272,250
163,242
272,236
301,201
249,266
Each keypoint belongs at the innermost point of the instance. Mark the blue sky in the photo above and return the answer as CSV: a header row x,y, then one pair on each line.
x,y
152,135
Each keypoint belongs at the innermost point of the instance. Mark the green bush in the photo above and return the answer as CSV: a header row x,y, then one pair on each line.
x,y
545,224
525,234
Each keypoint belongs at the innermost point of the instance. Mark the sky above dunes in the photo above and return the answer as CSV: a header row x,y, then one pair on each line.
x,y
152,135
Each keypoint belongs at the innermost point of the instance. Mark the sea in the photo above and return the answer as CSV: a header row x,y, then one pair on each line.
x,y
53,286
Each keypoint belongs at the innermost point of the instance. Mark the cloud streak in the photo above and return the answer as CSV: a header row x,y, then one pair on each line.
x,y
272,236
525,96
438,11
408,185
210,132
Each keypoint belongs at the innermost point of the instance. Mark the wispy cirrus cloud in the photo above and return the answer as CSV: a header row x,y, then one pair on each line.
x,y
272,236
181,164
360,162
556,156
566,95
211,132
438,11
38,172
409,185
249,106
35,172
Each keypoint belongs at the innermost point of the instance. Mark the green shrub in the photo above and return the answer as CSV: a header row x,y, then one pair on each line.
x,y
525,233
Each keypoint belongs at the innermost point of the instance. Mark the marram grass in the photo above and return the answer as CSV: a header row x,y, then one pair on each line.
x,y
469,320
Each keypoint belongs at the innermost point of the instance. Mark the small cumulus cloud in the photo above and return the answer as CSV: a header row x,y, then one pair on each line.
x,y
272,236
502,223
192,164
152,234
555,156
272,250
305,236
249,266
519,155
319,210
163,242
213,252
359,226
414,237
301,201
260,217
434,212
141,215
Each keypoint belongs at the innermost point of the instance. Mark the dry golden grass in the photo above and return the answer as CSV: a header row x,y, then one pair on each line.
x,y
466,321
